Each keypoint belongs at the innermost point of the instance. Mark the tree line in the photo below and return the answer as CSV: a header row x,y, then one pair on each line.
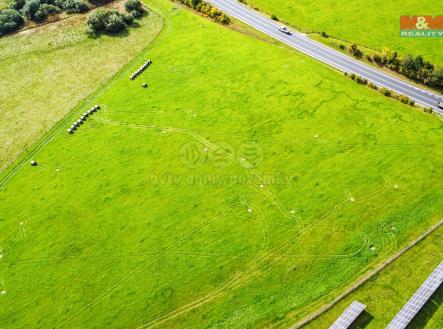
x,y
107,20
415,68
208,10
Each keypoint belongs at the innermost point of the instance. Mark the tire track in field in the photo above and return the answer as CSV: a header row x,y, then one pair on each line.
x,y
131,274
256,268
251,271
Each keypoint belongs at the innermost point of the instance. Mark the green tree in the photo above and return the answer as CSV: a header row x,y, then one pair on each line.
x,y
115,23
10,21
17,4
133,5
30,8
106,20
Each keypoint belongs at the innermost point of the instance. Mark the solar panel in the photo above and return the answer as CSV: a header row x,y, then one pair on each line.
x,y
416,302
348,316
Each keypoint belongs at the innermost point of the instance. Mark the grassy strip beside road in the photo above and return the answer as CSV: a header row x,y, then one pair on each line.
x,y
373,24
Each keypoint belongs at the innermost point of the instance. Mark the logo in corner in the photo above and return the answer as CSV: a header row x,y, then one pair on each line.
x,y
425,26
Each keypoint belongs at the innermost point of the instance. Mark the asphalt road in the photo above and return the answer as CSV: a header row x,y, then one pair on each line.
x,y
327,55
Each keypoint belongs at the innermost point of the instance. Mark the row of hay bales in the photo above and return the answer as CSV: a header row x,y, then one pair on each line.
x,y
83,118
141,69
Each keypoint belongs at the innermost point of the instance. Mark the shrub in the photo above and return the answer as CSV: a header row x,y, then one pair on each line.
x,y
371,85
17,4
30,8
75,6
128,18
429,110
96,21
38,10
342,47
44,11
355,51
386,92
136,14
377,59
274,17
106,20
224,19
324,35
10,21
404,99
388,56
98,2
115,23
133,6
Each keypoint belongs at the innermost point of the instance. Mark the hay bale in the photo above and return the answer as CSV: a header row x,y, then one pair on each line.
x,y
33,163
145,85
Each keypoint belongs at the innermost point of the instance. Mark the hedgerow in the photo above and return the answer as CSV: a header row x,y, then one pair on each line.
x,y
385,91
415,68
208,10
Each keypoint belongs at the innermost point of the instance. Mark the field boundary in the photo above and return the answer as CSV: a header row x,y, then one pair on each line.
x,y
367,277
26,154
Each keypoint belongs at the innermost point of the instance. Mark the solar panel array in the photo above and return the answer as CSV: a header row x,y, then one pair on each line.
x,y
348,316
416,302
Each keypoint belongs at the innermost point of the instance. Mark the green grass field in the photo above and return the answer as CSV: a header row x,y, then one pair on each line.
x,y
391,289
243,188
374,24
46,71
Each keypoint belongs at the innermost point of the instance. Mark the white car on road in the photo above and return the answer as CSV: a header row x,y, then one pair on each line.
x,y
440,105
284,29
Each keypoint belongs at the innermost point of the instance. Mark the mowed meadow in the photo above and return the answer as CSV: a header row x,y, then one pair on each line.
x,y
368,23
48,70
243,188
